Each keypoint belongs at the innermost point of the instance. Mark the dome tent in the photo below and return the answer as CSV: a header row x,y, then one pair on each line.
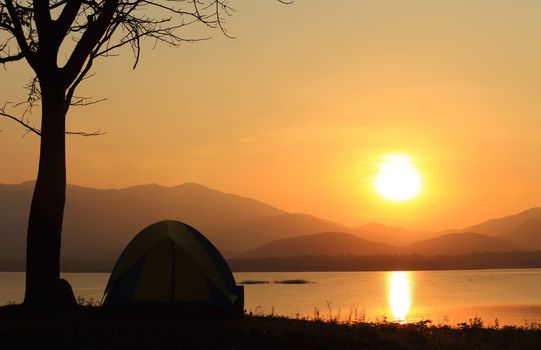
x,y
170,265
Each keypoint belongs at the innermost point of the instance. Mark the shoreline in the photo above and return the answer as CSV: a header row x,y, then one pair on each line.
x,y
334,263
321,270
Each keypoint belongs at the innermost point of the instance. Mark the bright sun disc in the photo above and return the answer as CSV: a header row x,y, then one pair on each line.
x,y
398,179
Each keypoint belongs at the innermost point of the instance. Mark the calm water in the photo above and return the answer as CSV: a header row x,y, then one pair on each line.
x,y
447,297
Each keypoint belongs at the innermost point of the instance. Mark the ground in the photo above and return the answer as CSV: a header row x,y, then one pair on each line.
x,y
90,328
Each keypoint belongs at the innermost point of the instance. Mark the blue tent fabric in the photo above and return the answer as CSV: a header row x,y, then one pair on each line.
x,y
170,265
218,258
125,286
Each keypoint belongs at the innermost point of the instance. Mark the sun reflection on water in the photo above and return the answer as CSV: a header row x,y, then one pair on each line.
x,y
399,294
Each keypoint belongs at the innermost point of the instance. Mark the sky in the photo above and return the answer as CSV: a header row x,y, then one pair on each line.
x,y
299,109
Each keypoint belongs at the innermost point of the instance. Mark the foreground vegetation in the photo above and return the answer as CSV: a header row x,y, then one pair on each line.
x,y
91,328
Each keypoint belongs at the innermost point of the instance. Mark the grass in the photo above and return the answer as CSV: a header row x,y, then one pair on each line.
x,y
88,327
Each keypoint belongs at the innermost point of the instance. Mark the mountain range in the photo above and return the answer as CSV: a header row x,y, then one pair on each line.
x,y
98,223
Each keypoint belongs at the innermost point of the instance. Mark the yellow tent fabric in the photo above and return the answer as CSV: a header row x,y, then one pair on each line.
x,y
171,264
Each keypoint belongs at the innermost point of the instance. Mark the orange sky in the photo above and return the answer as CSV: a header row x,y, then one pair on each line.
x,y
297,110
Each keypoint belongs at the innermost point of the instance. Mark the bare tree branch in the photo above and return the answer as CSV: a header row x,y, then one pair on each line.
x,y
20,121
13,58
32,129
17,28
66,18
91,36
42,17
98,28
86,134
71,89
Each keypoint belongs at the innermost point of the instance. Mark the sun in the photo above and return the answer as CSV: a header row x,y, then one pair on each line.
x,y
398,179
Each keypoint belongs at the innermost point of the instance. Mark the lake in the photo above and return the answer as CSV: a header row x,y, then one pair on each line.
x,y
513,296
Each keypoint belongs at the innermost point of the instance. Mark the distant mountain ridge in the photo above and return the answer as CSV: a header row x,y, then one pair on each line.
x,y
325,243
394,235
99,223
461,243
523,229
341,243
266,229
502,225
527,234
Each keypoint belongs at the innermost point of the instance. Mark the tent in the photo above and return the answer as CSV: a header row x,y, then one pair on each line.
x,y
171,266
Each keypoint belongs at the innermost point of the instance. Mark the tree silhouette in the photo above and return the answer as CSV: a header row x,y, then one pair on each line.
x,y
85,30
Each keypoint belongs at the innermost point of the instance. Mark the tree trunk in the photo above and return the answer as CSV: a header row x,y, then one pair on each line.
x,y
44,288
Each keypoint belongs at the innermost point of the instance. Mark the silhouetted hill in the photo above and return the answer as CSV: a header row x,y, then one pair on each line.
x,y
461,243
393,235
500,226
14,209
523,229
527,234
327,243
256,232
340,243
99,223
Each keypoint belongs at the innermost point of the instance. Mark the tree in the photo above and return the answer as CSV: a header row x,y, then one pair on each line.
x,y
38,31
